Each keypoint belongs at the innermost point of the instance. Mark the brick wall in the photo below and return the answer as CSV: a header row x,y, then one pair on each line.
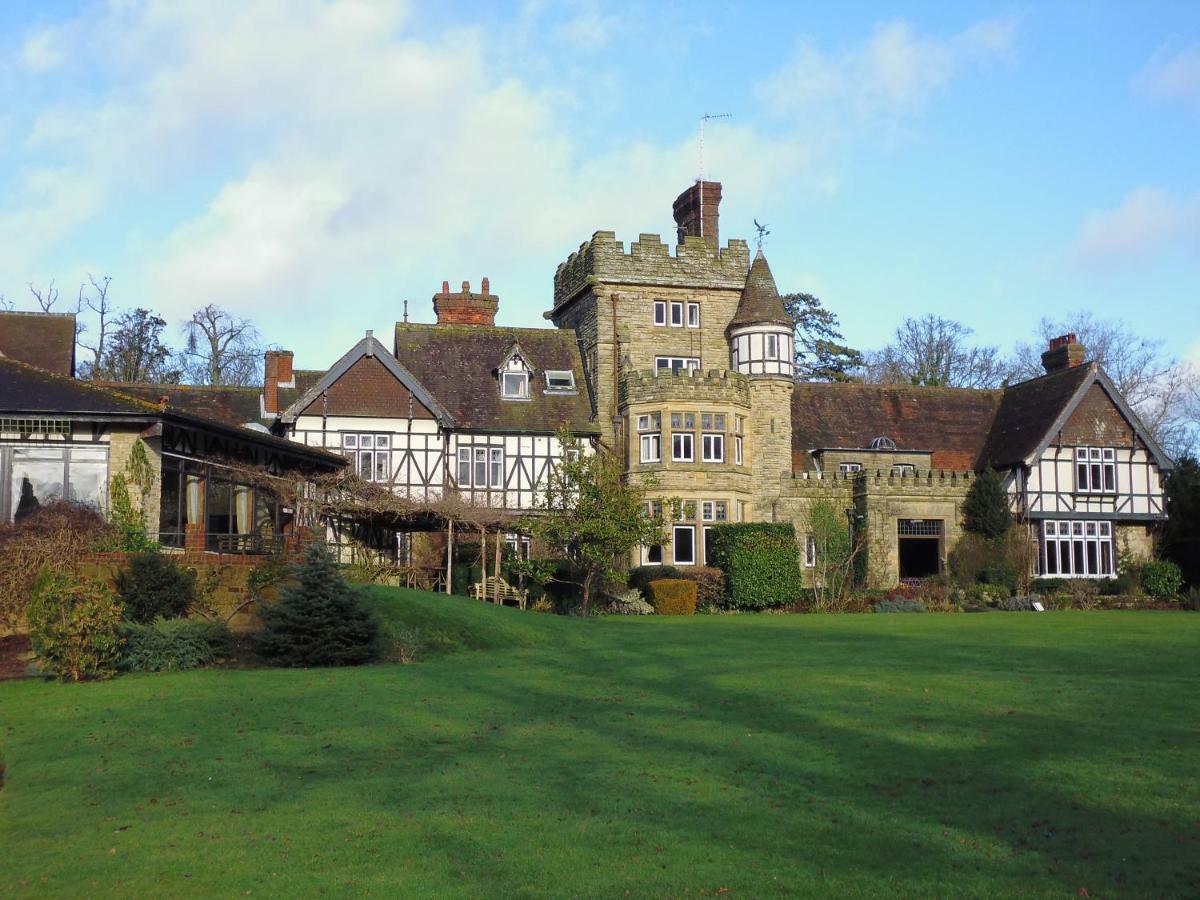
x,y
369,389
1097,421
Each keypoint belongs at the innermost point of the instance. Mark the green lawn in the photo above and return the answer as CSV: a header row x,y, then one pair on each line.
x,y
910,755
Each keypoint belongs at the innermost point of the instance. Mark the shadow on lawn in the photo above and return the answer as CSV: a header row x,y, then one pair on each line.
x,y
806,756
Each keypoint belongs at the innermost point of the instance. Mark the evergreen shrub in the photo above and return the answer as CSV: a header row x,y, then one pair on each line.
x,y
761,562
318,621
73,626
1161,579
673,596
985,509
153,586
171,645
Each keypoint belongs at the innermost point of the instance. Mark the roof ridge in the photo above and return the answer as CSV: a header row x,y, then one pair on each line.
x,y
81,383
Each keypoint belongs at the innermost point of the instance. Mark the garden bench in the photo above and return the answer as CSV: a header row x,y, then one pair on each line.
x,y
495,588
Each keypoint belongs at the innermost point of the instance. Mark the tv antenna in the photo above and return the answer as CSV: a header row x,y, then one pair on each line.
x,y
704,118
763,231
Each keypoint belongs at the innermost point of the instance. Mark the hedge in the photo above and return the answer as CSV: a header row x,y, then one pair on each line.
x,y
673,596
761,561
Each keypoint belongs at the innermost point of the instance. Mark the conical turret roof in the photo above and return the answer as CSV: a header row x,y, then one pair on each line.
x,y
760,303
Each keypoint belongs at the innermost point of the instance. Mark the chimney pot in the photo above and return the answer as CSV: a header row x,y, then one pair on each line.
x,y
1064,352
485,286
466,288
445,287
466,308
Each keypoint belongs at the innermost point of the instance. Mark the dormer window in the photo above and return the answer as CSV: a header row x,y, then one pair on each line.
x,y
514,374
514,385
560,382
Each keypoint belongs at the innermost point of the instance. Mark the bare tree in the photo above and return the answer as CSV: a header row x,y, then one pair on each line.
x,y
934,352
96,300
5,303
1162,390
46,297
221,348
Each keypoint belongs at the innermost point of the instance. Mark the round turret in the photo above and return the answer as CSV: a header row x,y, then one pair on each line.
x,y
761,332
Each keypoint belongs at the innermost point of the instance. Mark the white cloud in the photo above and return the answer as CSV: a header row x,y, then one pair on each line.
x,y
304,147
1172,76
1149,221
893,72
42,51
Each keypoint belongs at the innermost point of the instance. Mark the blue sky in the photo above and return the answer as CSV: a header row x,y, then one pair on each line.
x,y
311,165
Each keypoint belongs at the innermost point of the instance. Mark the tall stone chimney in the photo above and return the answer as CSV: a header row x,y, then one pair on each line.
x,y
696,212
1065,352
465,307
277,373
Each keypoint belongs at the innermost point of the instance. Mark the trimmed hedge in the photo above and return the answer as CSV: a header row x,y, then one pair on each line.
x,y
641,576
761,561
673,596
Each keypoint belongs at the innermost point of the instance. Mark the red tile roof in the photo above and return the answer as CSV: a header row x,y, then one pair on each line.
x,y
45,340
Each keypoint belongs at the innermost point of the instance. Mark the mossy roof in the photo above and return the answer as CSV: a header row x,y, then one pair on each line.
x,y
760,303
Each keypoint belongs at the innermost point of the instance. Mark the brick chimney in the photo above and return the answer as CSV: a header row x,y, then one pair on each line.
x,y
1065,352
696,212
277,373
465,307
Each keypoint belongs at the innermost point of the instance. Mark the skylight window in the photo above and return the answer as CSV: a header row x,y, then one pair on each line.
x,y
560,382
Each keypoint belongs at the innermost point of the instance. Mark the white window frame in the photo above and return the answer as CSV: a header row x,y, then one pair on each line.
x,y
481,459
649,422
370,449
676,314
771,346
679,441
660,312
810,551
903,469
1096,470
721,510
566,379
496,466
506,393
712,448
693,315
675,363
651,447
707,511
676,530
464,466
849,468
737,450
1066,543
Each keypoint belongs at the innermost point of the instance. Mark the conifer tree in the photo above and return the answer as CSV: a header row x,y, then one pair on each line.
x,y
320,621
985,510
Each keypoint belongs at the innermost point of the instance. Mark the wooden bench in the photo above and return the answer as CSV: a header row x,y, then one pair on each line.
x,y
497,589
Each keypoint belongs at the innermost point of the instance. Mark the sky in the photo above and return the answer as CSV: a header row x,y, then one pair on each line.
x,y
311,165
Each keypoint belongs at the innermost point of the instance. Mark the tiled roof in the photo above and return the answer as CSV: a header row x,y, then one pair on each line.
x,y
228,405
25,389
304,379
45,340
952,423
457,365
1029,411
760,303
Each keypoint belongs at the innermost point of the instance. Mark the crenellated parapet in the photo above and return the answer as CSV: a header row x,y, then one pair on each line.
x,y
684,386
929,482
650,262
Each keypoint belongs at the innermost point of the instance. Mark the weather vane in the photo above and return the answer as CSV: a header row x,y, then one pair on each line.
x,y
763,231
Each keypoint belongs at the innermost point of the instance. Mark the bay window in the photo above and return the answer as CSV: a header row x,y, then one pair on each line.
x,y
1077,549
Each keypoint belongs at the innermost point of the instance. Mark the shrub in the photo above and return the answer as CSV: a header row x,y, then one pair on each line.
x,y
641,576
628,603
1016,604
673,596
171,645
73,626
996,561
1191,600
153,586
899,605
54,537
761,562
710,586
985,509
1161,579
319,621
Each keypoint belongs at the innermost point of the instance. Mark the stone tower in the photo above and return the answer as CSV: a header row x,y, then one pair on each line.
x,y
760,342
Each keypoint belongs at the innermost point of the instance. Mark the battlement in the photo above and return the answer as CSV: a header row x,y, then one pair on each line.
x,y
650,262
931,481
684,386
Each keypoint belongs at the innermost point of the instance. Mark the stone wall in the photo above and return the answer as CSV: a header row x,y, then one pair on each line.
x,y
120,447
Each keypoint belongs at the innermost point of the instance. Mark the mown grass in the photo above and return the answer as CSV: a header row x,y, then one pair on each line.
x,y
897,755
